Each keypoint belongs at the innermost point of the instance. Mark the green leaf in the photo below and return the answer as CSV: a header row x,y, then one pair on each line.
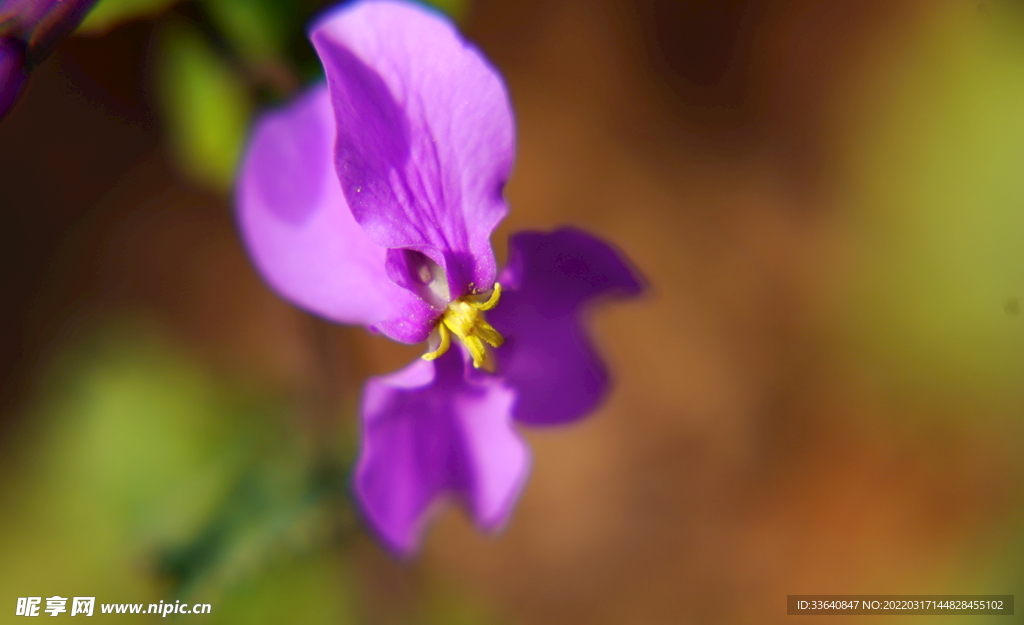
x,y
455,8
107,14
205,103
255,28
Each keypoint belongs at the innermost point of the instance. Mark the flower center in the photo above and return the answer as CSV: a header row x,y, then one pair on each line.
x,y
465,319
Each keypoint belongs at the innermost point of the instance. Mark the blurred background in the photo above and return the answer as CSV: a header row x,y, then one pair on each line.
x,y
822,393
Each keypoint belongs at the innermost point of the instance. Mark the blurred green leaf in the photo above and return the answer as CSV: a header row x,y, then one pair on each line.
x,y
206,105
280,503
455,8
256,28
258,32
107,14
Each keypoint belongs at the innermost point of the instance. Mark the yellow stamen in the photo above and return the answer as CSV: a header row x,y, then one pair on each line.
x,y
491,302
443,347
464,318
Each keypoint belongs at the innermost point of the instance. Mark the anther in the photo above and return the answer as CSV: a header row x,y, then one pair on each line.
x,y
491,302
446,341
464,318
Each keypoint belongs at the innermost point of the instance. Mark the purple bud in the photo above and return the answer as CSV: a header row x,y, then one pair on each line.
x,y
29,31
42,24
12,73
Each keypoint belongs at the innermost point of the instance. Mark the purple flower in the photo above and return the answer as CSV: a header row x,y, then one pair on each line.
x,y
371,200
29,30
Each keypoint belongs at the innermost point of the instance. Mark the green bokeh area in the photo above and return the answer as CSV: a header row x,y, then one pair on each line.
x,y
140,478
937,290
933,300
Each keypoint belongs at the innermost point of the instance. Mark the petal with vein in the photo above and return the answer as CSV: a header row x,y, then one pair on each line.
x,y
425,134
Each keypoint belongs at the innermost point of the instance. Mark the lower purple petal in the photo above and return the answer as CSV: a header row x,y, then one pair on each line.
x,y
547,357
431,429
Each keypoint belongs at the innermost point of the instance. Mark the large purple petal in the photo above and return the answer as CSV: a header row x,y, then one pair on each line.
x,y
431,429
547,356
425,134
301,233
